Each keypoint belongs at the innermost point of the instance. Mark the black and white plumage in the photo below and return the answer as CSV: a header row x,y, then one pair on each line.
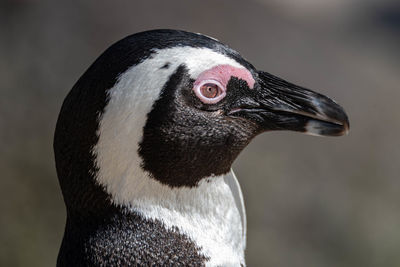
x,y
144,145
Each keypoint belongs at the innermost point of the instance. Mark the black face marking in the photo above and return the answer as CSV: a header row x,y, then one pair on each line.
x,y
119,238
182,143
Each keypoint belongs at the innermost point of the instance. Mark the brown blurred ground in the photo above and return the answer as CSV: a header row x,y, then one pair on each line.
x,y
310,201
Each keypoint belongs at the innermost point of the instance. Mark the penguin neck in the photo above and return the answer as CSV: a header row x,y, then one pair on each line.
x,y
150,197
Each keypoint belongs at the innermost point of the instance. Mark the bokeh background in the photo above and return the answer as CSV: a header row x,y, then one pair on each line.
x,y
310,201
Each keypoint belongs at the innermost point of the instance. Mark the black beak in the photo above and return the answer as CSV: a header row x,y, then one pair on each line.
x,y
275,104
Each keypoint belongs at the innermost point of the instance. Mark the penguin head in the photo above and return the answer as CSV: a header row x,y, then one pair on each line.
x,y
175,107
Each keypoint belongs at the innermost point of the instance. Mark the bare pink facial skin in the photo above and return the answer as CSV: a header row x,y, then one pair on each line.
x,y
220,75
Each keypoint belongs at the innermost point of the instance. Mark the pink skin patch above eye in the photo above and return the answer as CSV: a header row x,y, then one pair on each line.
x,y
221,75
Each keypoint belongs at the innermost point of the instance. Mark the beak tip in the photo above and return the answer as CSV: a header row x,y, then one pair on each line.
x,y
338,122
344,122
327,128
346,128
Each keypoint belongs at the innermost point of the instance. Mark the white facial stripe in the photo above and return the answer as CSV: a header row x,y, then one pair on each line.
x,y
201,59
119,171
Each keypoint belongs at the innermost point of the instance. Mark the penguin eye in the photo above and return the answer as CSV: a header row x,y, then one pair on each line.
x,y
210,92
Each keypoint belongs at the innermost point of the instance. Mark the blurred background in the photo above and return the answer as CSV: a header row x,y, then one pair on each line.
x,y
310,201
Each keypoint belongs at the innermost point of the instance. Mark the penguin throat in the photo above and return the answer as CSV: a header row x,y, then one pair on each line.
x,y
184,165
209,214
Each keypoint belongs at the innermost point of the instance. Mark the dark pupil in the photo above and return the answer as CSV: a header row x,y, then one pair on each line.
x,y
209,90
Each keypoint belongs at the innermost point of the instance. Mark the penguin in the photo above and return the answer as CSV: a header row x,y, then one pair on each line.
x,y
144,145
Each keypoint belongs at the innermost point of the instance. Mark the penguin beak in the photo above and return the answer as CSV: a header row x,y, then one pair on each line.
x,y
279,105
